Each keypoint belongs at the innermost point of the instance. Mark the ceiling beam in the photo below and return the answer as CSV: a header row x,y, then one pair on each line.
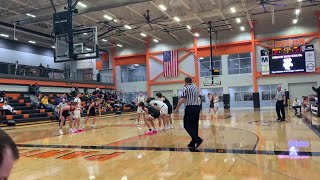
x,y
220,6
137,13
248,14
108,5
169,16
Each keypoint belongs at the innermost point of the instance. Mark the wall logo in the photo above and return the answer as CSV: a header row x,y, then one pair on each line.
x,y
287,64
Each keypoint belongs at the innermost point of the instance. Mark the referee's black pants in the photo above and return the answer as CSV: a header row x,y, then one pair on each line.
x,y
280,108
191,122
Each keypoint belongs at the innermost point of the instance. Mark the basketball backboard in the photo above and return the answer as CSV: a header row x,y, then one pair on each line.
x,y
212,81
85,45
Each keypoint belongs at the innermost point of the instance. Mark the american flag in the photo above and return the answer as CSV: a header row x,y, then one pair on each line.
x,y
170,63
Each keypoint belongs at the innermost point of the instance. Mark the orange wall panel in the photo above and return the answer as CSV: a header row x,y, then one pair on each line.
x,y
225,49
99,65
129,60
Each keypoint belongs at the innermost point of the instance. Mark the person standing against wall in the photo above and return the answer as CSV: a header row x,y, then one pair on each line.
x,y
281,100
317,90
189,97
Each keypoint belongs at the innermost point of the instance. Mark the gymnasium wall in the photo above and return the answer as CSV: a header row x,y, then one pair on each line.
x,y
26,54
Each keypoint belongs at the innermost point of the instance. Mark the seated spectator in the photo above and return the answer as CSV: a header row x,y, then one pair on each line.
x,y
296,105
117,106
8,108
34,89
305,104
45,102
2,96
35,101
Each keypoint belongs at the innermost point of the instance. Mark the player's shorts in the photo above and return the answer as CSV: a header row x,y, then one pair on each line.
x,y
77,113
216,105
140,110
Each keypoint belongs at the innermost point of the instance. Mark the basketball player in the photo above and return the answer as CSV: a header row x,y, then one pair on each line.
x,y
95,106
211,104
140,112
215,103
77,113
65,114
152,114
163,108
167,102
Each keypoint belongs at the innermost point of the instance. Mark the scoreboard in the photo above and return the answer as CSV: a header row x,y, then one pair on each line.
x,y
286,50
288,60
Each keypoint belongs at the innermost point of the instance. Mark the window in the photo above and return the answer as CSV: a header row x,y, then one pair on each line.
x,y
242,93
239,63
205,65
133,73
268,92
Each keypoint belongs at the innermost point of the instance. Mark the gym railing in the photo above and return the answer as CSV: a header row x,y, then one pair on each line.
x,y
133,79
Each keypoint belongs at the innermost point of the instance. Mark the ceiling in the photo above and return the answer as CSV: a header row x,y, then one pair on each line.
x,y
190,12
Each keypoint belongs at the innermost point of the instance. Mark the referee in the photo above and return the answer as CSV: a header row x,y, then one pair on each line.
x,y
190,97
281,99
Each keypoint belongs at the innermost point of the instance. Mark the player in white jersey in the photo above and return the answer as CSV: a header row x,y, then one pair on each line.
x,y
77,113
163,108
216,103
140,111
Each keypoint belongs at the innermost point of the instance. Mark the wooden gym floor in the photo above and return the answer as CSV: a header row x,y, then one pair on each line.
x,y
247,145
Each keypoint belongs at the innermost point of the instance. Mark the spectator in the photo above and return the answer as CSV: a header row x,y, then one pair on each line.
x,y
35,101
2,96
61,105
117,106
34,89
305,104
8,154
45,102
296,105
8,108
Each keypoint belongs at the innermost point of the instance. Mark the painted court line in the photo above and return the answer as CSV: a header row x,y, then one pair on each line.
x,y
170,149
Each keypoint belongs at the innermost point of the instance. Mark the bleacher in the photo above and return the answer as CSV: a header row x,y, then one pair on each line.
x,y
25,113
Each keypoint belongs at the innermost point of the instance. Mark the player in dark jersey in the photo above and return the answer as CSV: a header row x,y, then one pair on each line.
x,y
65,114
170,108
91,113
151,114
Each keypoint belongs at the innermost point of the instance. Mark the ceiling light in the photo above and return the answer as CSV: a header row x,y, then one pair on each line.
x,y
189,27
15,39
127,26
297,12
115,20
295,21
108,17
32,42
136,65
82,5
238,20
119,45
53,47
242,28
233,10
31,15
196,34
88,49
85,33
177,19
4,35
104,40
143,34
201,58
156,40
162,7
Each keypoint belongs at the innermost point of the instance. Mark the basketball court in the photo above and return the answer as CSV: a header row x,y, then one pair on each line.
x,y
251,66
233,148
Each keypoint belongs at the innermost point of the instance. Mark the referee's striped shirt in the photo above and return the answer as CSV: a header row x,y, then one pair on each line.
x,y
191,93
